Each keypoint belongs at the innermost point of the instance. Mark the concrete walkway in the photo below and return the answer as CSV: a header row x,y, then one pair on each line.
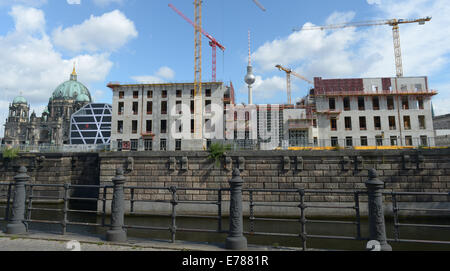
x,y
38,241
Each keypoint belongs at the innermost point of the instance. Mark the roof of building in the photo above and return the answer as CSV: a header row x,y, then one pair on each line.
x,y
71,90
20,100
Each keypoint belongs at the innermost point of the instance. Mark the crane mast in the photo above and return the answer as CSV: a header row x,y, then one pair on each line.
x,y
288,81
213,42
198,101
395,32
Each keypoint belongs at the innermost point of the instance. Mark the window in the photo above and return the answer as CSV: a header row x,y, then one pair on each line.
x,y
208,106
364,141
408,140
192,107
192,126
405,103
390,103
164,107
424,141
134,126
121,108
422,125
208,93
179,94
392,124
349,141
332,103
316,141
394,141
207,125
348,123
404,87
135,108
333,124
163,144
192,94
149,126
135,94
361,103
420,103
347,104
314,124
148,144
149,108
164,94
362,123
407,122
178,107
120,127
418,87
208,143
121,94
163,126
178,126
377,123
119,144
379,140
178,144
134,144
334,142
149,94
376,103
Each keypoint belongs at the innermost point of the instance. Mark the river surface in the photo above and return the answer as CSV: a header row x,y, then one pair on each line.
x,y
415,233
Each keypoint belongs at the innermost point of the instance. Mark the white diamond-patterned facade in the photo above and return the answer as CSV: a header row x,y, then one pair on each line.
x,y
91,125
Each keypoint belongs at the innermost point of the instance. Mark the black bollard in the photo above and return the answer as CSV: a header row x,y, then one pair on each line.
x,y
16,225
236,240
117,233
377,225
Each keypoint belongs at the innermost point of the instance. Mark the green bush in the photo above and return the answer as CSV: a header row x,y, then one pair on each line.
x,y
11,153
217,151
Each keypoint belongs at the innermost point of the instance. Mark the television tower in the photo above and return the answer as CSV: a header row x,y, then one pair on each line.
x,y
250,78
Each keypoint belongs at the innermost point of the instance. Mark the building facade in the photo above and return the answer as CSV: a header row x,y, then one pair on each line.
x,y
150,117
374,112
53,127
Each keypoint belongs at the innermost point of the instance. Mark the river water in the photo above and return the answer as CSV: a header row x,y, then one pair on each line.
x,y
260,226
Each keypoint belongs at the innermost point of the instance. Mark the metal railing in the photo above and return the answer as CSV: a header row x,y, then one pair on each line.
x,y
299,200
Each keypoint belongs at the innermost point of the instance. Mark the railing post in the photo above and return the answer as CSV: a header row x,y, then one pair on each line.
x,y
236,240
16,225
377,225
117,233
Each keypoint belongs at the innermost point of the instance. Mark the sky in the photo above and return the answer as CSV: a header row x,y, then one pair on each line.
x,y
132,41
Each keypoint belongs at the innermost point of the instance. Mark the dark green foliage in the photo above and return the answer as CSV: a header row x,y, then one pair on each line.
x,y
217,151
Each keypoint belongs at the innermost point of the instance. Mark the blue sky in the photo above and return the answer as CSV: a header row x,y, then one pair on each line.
x,y
144,40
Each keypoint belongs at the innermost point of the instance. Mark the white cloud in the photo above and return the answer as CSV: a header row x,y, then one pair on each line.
x,y
30,64
108,32
28,19
366,51
161,76
74,2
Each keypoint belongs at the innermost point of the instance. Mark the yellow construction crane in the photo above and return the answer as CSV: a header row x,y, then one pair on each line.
x,y
395,29
288,80
198,101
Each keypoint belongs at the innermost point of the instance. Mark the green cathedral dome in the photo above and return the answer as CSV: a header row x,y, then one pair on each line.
x,y
20,100
71,90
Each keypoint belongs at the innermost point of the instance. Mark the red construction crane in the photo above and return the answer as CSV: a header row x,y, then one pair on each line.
x,y
213,42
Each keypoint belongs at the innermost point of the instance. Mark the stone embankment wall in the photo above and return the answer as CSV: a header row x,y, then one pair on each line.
x,y
401,170
54,168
